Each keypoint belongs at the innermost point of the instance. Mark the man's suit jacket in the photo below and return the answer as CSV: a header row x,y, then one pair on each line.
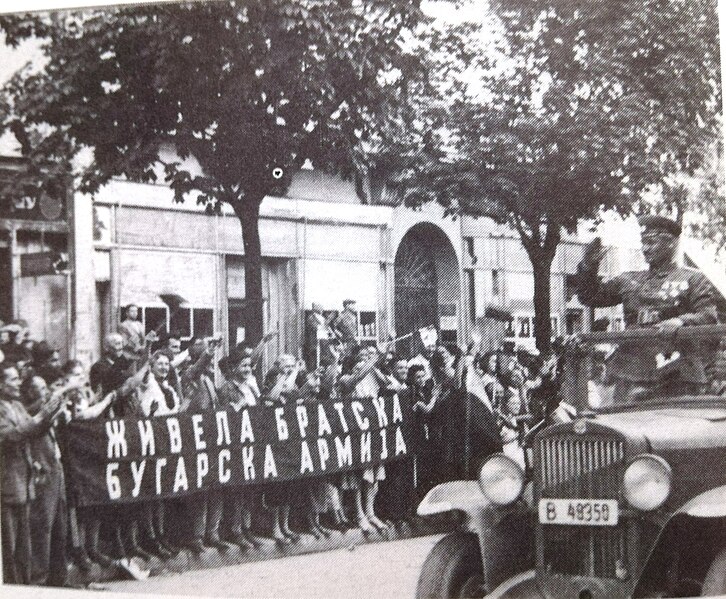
x,y
17,427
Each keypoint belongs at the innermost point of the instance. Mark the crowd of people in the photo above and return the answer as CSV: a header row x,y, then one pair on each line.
x,y
449,390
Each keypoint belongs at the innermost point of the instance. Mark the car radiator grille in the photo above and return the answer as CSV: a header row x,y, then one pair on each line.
x,y
581,468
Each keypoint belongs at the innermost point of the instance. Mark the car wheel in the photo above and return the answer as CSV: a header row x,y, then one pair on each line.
x,y
453,569
715,582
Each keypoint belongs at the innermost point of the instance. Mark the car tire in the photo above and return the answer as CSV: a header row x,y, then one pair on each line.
x,y
453,569
715,582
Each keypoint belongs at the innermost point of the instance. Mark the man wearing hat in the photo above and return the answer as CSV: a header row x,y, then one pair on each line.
x,y
317,335
346,326
666,296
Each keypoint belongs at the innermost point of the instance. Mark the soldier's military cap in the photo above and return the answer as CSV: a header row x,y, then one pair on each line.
x,y
654,222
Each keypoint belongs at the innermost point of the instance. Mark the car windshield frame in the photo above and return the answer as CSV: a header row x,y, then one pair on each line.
x,y
627,348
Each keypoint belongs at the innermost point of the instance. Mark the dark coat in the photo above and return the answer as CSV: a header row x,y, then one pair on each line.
x,y
17,427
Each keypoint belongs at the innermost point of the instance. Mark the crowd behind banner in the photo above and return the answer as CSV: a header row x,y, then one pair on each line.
x,y
458,406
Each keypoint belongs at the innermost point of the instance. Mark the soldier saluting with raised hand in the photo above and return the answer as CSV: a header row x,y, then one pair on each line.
x,y
666,296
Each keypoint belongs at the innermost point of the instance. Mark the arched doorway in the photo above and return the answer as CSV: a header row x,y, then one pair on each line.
x,y
426,280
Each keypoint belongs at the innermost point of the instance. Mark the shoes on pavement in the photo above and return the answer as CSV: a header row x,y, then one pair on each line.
x,y
138,551
241,541
327,532
157,548
170,547
252,538
82,560
131,568
217,543
195,546
100,558
293,536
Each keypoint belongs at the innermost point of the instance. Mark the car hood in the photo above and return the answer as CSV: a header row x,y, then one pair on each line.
x,y
668,428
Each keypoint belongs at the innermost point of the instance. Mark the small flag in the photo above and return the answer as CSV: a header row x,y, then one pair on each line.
x,y
429,336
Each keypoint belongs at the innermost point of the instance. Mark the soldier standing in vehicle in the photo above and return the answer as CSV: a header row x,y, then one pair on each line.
x,y
666,296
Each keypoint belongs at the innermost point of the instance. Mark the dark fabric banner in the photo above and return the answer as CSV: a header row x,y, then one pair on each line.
x,y
135,459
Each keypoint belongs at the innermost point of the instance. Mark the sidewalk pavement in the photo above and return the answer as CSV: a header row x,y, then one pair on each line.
x,y
186,560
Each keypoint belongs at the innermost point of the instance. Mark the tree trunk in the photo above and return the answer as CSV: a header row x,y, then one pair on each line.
x,y
541,255
542,301
248,213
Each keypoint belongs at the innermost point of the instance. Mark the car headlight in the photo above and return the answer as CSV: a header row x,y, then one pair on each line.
x,y
647,482
501,479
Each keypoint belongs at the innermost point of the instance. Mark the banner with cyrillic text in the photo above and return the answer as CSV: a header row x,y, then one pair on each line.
x,y
136,459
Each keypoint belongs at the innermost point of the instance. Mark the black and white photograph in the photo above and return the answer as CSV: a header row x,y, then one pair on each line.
x,y
419,299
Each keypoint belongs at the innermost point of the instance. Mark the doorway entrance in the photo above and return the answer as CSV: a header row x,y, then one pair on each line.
x,y
426,281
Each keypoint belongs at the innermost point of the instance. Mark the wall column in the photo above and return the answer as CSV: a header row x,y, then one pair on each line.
x,y
83,281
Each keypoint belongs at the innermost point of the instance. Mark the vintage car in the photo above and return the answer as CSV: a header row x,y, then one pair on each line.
x,y
626,500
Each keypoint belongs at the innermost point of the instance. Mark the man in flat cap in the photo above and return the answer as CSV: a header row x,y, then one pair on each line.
x,y
666,296
345,326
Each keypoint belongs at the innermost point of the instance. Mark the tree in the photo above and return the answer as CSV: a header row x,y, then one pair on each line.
x,y
250,90
676,61
569,116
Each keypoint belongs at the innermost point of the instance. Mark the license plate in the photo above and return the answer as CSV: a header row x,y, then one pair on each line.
x,y
579,512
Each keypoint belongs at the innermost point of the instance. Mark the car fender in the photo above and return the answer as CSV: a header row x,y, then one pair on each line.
x,y
506,534
703,514
710,504
456,495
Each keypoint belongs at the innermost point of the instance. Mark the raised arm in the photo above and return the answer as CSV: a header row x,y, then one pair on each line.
x,y
260,347
29,426
591,289
349,381
95,411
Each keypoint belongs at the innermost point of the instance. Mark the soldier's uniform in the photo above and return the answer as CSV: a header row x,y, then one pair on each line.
x,y
650,297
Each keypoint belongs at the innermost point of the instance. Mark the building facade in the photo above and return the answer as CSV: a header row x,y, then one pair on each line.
x,y
406,269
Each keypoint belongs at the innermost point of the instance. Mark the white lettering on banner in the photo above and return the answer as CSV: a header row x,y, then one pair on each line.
x,y
160,463
181,482
223,436
323,422
112,481
384,444
400,443
175,440
199,443
397,412
365,448
116,433
302,419
248,465
358,410
344,451
146,436
270,466
282,432
224,472
202,468
306,460
339,408
137,473
380,406
323,452
246,435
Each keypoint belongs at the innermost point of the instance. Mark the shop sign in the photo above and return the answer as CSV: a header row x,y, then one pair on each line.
x,y
43,207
